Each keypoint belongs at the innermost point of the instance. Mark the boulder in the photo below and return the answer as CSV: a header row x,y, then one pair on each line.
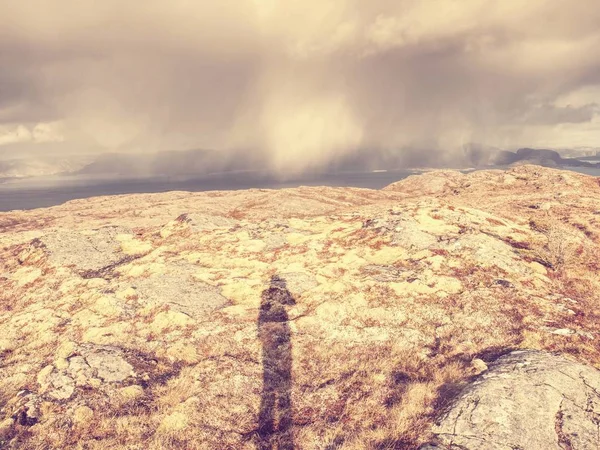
x,y
526,400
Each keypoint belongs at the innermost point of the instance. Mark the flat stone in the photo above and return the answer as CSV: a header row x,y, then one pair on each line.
x,y
181,292
109,366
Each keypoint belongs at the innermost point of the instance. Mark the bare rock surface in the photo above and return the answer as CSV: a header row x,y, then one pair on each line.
x,y
528,400
108,364
86,251
182,292
142,321
87,365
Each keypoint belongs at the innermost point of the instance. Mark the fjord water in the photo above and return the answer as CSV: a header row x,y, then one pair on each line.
x,y
50,191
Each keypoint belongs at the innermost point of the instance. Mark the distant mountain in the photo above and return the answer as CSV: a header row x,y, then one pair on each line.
x,y
541,157
200,162
479,155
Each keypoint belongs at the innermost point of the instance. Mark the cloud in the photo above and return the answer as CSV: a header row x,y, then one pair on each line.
x,y
40,133
302,84
548,114
15,136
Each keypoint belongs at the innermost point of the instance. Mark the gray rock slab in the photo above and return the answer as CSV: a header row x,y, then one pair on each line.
x,y
85,251
181,292
109,366
529,400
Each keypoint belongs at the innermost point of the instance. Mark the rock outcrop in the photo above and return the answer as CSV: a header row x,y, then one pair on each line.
x,y
527,399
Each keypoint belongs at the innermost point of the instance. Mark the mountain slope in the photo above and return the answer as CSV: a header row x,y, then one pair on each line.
x,y
313,317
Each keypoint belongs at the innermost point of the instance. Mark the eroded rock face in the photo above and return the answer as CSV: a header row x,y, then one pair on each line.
x,y
526,400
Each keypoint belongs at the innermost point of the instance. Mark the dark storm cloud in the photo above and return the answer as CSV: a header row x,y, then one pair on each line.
x,y
302,84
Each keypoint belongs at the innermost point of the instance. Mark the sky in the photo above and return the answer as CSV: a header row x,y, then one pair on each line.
x,y
298,83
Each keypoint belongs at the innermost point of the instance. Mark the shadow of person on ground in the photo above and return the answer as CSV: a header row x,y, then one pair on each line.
x,y
275,417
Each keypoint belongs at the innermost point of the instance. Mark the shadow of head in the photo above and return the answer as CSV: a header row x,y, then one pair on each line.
x,y
278,292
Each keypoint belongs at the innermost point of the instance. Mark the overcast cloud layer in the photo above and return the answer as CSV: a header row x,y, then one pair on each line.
x,y
299,82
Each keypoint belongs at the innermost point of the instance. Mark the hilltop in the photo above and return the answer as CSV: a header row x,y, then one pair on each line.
x,y
350,317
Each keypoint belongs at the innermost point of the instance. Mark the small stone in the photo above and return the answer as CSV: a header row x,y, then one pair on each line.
x,y
563,331
478,366
504,283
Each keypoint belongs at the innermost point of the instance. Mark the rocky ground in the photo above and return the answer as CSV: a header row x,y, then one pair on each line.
x,y
309,318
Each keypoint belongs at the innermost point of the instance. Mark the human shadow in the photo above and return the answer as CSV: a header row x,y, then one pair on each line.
x,y
275,418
